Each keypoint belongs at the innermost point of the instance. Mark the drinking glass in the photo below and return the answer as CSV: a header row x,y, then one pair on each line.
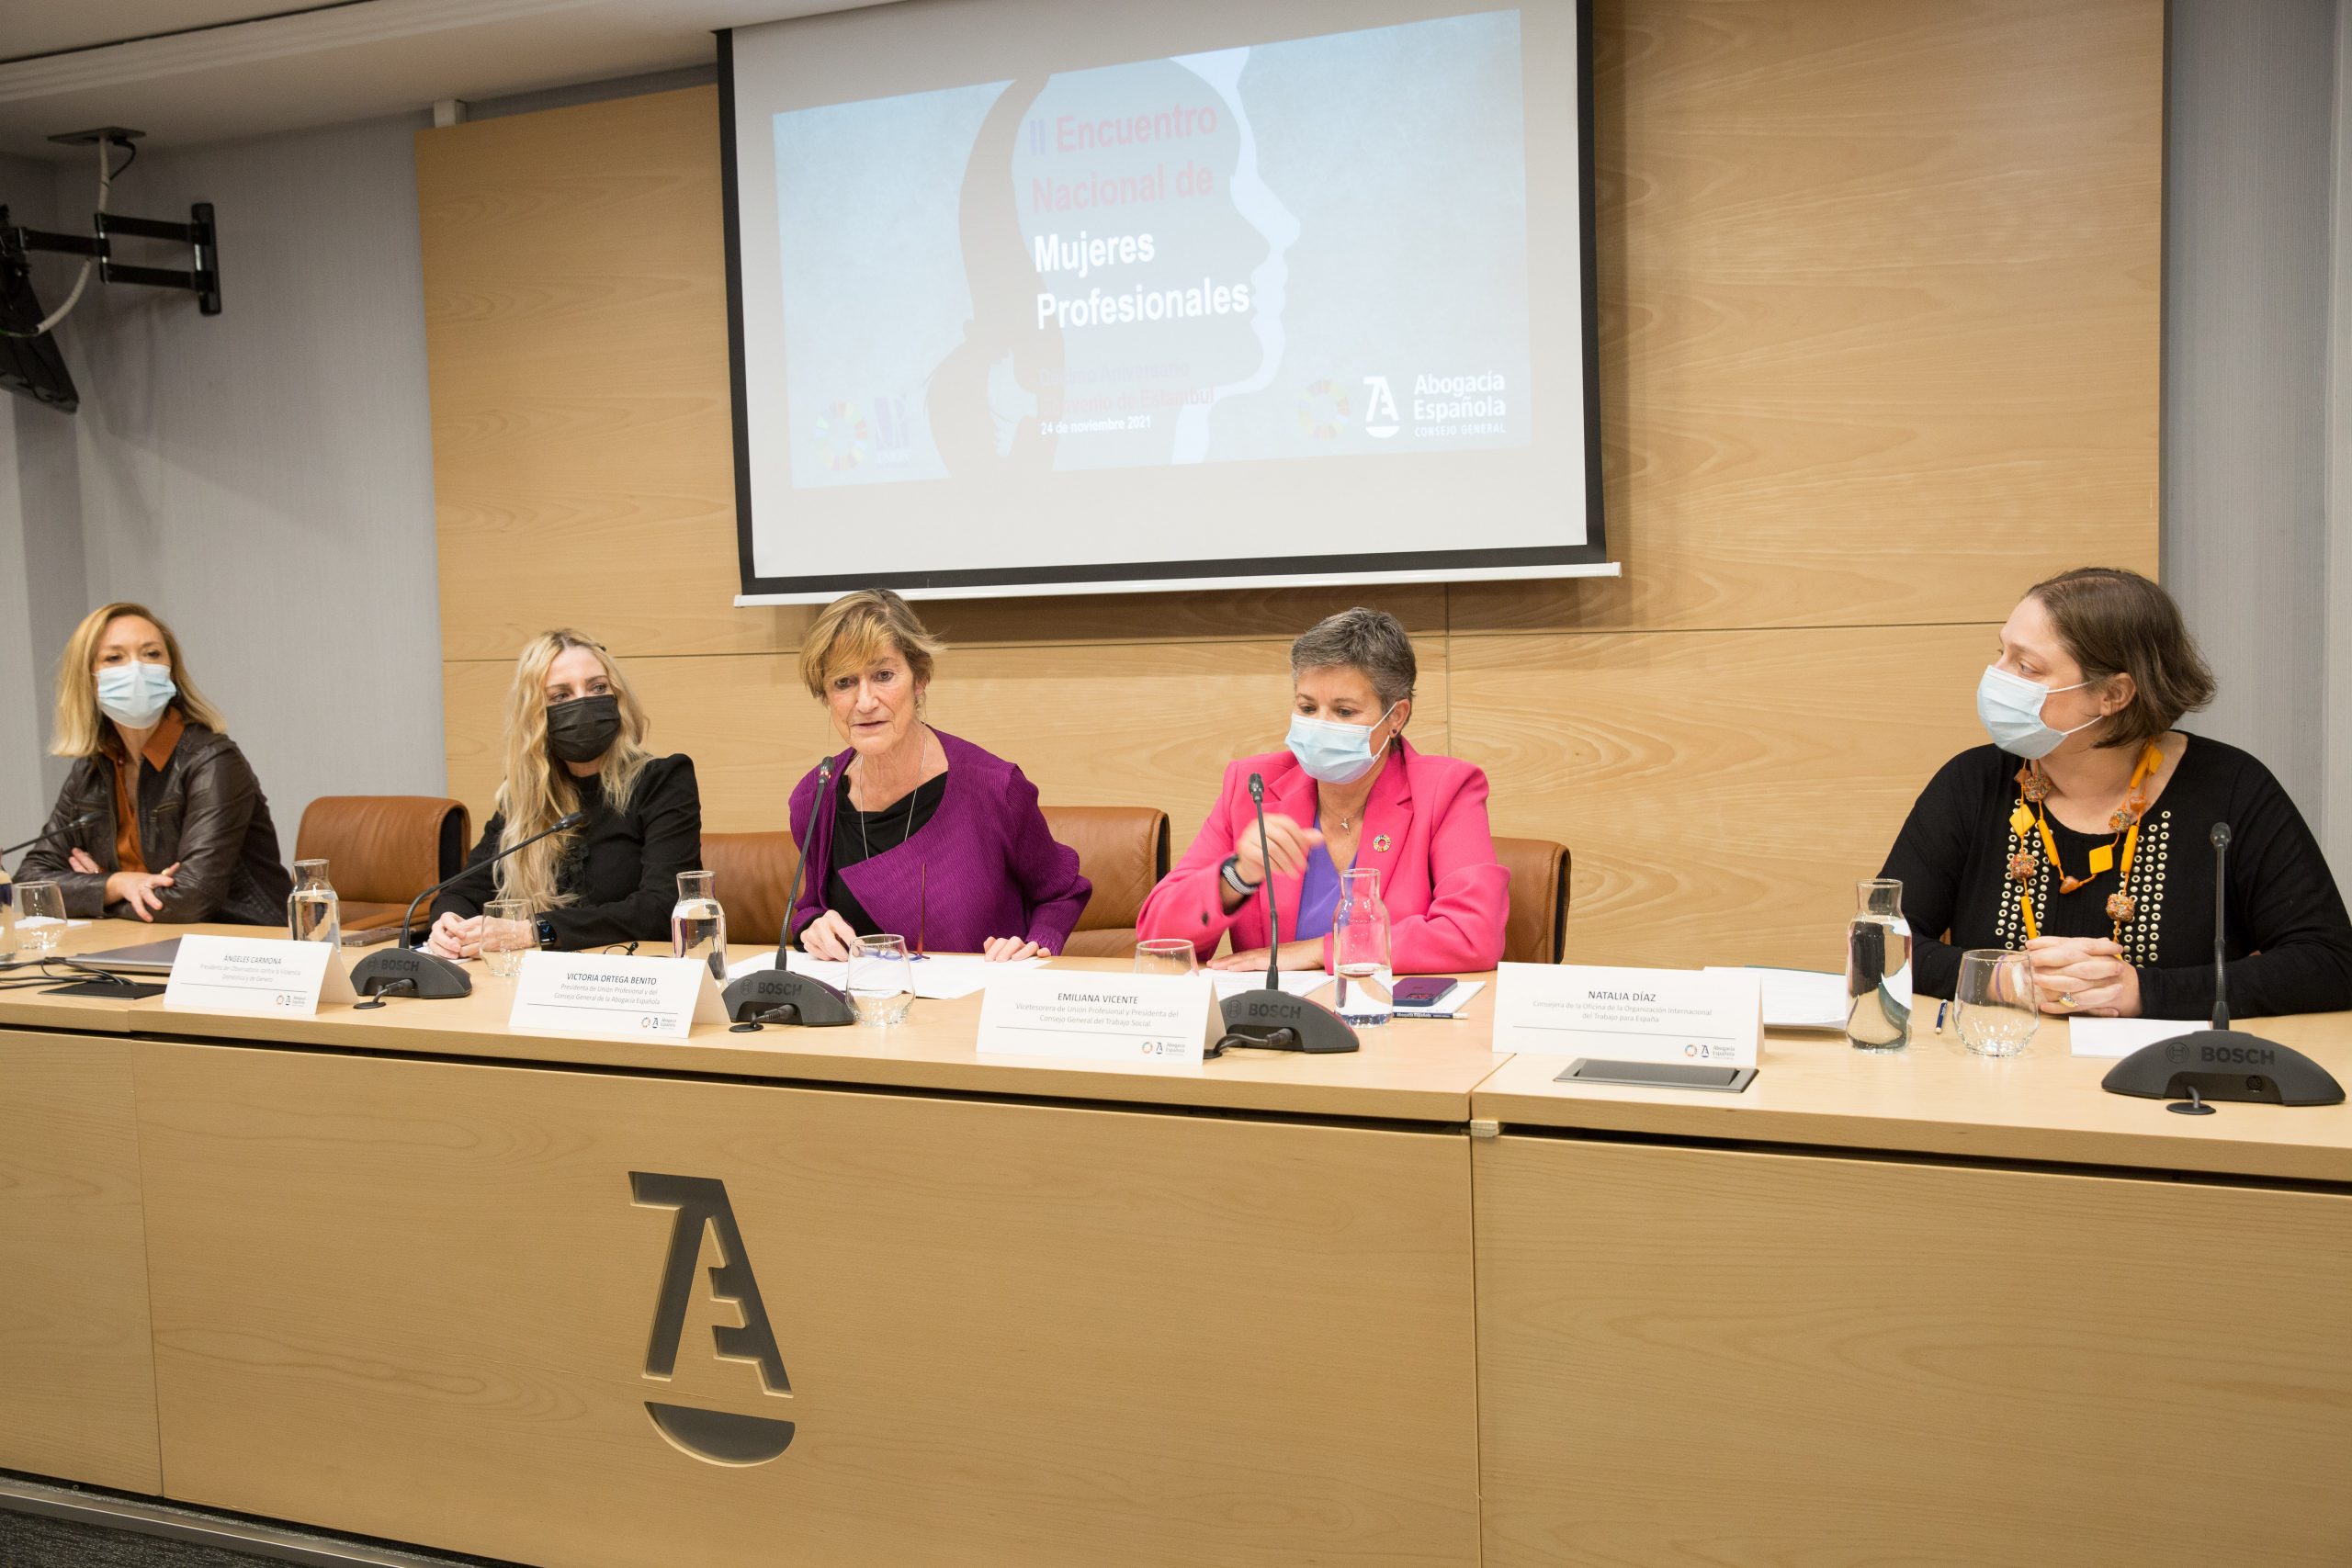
x,y
1360,950
881,980
1166,955
40,917
1996,1001
506,934
697,924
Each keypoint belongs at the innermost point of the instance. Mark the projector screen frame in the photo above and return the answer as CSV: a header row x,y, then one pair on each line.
x,y
1589,559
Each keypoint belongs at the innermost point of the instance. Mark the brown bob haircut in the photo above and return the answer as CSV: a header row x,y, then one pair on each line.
x,y
2119,623
857,628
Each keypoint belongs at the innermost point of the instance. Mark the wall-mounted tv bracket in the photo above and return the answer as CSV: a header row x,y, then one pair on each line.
x,y
203,277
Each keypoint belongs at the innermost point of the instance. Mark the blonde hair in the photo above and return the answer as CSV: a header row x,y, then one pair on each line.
x,y
537,791
857,628
81,725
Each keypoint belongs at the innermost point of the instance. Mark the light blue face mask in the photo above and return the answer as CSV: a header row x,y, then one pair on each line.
x,y
137,694
2010,707
1334,753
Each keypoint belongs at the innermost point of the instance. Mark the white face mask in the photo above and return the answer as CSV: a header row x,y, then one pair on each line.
x,y
136,694
1334,753
2010,708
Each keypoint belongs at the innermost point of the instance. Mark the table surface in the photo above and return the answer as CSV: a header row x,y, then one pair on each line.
x,y
1933,1097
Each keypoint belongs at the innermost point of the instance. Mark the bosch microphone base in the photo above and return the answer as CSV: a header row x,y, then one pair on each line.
x,y
1280,1021
771,996
409,973
2220,1063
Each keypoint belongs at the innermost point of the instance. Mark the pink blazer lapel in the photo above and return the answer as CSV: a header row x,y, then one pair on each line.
x,y
1387,815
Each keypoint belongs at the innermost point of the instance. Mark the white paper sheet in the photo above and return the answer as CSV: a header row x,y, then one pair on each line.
x,y
2111,1037
939,976
1799,999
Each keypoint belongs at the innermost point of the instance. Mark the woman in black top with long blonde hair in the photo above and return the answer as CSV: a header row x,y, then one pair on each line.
x,y
575,741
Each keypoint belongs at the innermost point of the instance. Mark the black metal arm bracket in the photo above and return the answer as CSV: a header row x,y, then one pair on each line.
x,y
202,279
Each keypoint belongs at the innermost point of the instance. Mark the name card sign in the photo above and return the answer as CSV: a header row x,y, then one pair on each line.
x,y
607,995
1629,1015
1153,1020
256,975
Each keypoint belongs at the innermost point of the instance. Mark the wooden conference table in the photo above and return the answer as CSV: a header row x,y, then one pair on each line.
x,y
407,1274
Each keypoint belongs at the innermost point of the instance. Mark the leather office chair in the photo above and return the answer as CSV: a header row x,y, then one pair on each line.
x,y
1122,850
383,849
1538,929
754,874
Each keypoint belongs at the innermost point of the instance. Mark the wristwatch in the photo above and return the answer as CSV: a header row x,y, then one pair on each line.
x,y
1231,872
547,934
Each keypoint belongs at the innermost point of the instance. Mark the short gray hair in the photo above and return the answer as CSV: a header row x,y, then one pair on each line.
x,y
1369,640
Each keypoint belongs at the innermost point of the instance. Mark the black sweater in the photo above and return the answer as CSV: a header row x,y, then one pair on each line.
x,y
621,868
2288,943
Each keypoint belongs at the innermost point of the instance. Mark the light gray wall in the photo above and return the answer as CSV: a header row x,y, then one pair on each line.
x,y
263,477
40,539
2248,260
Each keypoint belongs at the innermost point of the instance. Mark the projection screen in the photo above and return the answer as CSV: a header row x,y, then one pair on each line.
x,y
1036,297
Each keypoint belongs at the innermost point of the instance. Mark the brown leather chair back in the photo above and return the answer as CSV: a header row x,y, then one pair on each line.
x,y
1122,850
383,849
1538,929
754,874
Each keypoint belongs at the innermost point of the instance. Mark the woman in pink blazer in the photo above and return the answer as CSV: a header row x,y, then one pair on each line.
x,y
1348,793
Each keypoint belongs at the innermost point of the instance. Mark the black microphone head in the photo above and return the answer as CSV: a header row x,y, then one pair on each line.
x,y
2220,835
569,820
1258,788
824,768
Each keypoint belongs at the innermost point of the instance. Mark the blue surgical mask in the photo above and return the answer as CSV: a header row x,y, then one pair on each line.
x,y
135,695
2011,706
1333,754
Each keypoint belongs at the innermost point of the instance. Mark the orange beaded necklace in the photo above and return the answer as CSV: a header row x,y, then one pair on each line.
x,y
2028,822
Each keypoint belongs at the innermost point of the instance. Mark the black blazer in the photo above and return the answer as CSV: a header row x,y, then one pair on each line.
x,y
202,808
621,869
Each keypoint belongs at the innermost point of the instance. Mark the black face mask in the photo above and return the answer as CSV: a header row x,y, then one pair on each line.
x,y
581,730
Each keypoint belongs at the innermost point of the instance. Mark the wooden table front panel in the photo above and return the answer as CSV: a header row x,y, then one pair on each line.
x,y
416,1299
77,1376
1692,1357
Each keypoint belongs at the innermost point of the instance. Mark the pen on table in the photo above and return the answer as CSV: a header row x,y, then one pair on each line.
x,y
1939,1015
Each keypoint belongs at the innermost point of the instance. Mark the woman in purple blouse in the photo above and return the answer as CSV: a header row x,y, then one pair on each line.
x,y
918,834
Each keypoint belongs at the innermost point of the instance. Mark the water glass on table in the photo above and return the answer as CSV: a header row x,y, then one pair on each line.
x,y
1996,1001
1167,956
881,980
40,917
507,933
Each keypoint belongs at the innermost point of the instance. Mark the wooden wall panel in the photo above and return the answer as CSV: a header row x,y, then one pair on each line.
x,y
1722,790
77,1369
1879,290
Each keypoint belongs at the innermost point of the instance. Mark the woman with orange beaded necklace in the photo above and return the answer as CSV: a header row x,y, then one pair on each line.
x,y
2081,833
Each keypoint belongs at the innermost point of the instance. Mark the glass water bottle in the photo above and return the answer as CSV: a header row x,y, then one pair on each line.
x,y
1878,969
698,925
312,912
1360,950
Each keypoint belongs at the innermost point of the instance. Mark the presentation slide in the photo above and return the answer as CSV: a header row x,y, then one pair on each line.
x,y
1251,311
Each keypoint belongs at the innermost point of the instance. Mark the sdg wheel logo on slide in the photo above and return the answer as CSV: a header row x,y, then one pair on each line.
x,y
843,438
1323,411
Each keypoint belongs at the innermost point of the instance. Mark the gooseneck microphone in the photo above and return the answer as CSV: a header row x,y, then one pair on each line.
x,y
57,832
1270,1018
413,972
778,996
2218,1064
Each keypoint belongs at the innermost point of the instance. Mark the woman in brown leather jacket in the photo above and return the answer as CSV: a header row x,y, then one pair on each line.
x,y
168,823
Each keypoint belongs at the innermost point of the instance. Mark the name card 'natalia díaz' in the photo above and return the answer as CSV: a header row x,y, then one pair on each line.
x,y
1629,1015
